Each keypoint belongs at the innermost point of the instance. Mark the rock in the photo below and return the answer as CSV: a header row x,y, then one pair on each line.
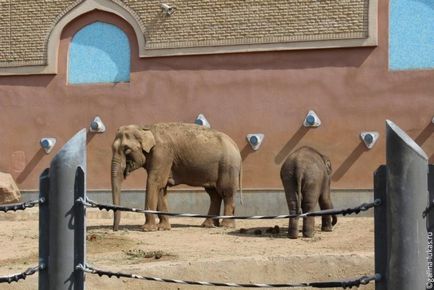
x,y
9,192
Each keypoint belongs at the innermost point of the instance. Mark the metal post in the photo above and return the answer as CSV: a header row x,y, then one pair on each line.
x,y
407,196
66,219
44,188
380,219
430,226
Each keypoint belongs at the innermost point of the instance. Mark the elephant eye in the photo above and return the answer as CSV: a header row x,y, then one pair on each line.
x,y
127,151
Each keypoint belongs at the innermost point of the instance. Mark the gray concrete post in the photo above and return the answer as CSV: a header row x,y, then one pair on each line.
x,y
380,219
407,197
430,226
66,218
44,189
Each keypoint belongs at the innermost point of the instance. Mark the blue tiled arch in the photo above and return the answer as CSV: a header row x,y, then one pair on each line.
x,y
99,53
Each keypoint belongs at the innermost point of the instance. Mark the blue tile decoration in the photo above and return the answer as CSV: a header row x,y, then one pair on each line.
x,y
411,34
99,53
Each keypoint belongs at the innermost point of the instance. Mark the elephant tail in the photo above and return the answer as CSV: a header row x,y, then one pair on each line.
x,y
240,184
334,220
298,193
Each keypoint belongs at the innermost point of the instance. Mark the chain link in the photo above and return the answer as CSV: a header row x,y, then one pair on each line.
x,y
21,206
20,276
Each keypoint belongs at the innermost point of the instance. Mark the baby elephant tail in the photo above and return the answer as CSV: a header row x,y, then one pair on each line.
x,y
240,184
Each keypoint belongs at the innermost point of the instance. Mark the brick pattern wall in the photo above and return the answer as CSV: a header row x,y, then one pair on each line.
x,y
25,25
4,30
227,22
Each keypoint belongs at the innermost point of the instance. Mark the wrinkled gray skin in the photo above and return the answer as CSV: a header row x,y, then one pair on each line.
x,y
172,154
305,175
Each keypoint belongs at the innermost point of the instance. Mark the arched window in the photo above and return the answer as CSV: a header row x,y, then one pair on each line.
x,y
99,53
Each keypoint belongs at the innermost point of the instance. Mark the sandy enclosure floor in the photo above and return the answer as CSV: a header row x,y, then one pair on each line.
x,y
250,253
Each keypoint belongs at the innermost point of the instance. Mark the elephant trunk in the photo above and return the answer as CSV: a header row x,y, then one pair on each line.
x,y
117,176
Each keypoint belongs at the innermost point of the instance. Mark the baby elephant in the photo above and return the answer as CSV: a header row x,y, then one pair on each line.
x,y
305,175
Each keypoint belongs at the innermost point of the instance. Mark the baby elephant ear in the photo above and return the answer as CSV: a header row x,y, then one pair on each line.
x,y
147,140
328,165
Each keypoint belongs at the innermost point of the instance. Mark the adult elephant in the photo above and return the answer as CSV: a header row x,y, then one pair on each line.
x,y
172,154
306,175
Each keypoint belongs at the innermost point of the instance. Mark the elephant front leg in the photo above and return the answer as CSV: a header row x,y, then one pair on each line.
x,y
152,191
164,224
229,209
214,208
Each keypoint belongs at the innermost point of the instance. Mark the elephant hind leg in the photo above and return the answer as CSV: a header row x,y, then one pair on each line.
x,y
327,221
292,200
308,222
293,228
229,208
227,186
214,208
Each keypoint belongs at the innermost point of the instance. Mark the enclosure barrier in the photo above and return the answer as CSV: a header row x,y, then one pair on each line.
x,y
84,268
344,212
16,207
400,191
401,236
20,276
21,206
365,280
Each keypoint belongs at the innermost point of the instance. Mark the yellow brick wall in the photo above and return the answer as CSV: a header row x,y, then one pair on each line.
x,y
223,22
25,25
4,30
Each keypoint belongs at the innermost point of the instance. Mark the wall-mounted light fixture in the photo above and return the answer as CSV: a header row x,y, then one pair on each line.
x,y
47,144
311,120
167,9
97,126
255,140
369,138
201,120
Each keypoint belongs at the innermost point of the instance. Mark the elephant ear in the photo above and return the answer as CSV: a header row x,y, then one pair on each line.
x,y
146,139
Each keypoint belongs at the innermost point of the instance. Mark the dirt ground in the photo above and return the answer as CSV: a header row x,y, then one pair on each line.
x,y
250,253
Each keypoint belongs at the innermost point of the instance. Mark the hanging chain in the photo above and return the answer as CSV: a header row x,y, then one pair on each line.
x,y
347,211
364,280
21,206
